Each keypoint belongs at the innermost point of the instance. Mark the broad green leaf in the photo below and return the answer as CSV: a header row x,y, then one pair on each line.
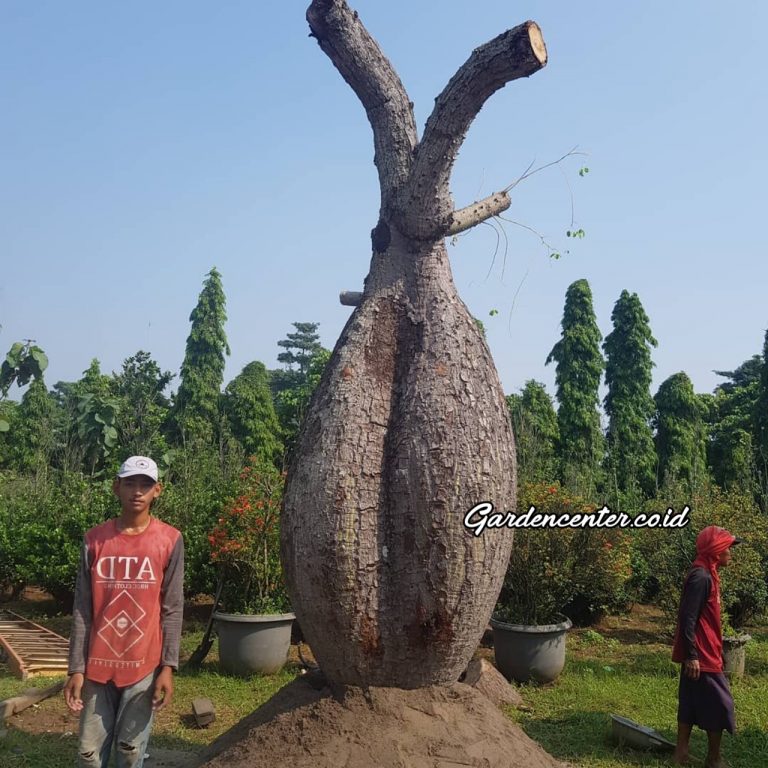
x,y
40,357
14,354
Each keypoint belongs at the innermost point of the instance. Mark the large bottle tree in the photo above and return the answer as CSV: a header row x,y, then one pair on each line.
x,y
408,428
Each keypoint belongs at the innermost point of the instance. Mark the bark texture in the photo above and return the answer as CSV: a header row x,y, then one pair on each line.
x,y
408,428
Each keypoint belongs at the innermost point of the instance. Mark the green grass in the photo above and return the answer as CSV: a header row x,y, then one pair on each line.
x,y
233,698
571,718
632,677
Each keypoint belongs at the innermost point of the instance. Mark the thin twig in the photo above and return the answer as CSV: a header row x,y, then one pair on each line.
x,y
570,192
530,229
529,172
496,249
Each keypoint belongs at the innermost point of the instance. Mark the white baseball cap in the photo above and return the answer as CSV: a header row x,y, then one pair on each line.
x,y
138,465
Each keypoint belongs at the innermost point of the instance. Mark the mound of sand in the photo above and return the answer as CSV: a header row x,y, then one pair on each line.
x,y
436,727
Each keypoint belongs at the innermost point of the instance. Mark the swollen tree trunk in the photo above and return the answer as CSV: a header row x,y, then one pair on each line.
x,y
408,428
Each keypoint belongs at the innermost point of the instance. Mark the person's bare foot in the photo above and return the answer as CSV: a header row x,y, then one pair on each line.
x,y
718,763
681,758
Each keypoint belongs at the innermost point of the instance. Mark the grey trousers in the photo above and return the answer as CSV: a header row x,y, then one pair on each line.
x,y
119,716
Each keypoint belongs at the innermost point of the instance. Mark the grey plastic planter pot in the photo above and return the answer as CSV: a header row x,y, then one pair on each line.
x,y
249,644
734,654
526,652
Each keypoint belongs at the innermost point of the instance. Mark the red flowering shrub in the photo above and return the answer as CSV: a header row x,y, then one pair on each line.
x,y
245,543
579,572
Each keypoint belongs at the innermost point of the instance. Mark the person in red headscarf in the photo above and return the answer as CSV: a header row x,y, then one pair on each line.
x,y
704,697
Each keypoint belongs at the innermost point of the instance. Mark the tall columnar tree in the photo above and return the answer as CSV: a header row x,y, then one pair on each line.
x,y
761,428
579,368
732,422
631,459
408,427
680,434
34,433
251,414
534,423
196,407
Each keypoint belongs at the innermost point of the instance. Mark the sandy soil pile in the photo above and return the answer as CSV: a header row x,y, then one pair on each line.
x,y
437,727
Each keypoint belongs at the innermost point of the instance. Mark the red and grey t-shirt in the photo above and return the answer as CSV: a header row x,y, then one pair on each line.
x,y
128,603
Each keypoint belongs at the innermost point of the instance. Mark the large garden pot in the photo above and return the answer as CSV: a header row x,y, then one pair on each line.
x,y
734,654
249,644
530,652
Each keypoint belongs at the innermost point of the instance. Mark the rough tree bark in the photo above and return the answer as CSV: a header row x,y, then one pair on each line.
x,y
408,428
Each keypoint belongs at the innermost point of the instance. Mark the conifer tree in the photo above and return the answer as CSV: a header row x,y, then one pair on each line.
x,y
732,453
33,439
579,368
305,359
761,429
534,423
196,408
631,457
680,434
251,413
300,347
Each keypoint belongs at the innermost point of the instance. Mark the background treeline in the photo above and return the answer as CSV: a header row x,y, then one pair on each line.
x,y
61,446
645,452
636,451
674,442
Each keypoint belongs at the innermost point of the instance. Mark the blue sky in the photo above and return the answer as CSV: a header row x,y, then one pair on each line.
x,y
143,143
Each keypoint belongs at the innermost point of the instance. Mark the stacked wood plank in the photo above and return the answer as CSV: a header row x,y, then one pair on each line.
x,y
31,650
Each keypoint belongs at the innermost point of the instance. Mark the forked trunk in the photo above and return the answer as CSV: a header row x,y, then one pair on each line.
x,y
408,429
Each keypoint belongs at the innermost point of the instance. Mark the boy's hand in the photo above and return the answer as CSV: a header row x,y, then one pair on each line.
x,y
73,690
163,689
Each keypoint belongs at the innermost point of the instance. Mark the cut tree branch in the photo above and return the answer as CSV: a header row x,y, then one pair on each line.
x,y
478,212
350,298
516,53
358,58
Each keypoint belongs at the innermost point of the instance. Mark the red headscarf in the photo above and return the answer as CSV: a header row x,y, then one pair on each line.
x,y
710,544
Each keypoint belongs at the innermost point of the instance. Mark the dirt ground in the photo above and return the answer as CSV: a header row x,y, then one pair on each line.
x,y
436,727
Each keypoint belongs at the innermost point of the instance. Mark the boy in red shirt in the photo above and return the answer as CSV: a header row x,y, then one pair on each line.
x,y
126,623
704,697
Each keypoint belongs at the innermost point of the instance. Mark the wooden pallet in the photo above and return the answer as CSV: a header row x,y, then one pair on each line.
x,y
31,650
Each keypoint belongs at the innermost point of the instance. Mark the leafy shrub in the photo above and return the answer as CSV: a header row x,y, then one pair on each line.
x,y
581,572
245,543
197,484
43,521
670,552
